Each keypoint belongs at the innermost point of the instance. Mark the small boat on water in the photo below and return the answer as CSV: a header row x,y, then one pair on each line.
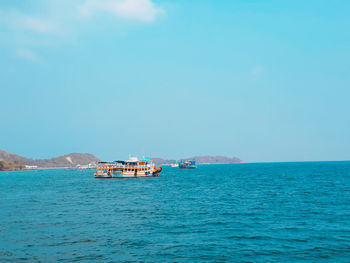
x,y
174,165
132,168
189,164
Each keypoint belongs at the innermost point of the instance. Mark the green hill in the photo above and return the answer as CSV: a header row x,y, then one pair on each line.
x,y
69,160
7,166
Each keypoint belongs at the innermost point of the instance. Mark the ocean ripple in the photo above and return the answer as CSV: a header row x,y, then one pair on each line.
x,y
281,212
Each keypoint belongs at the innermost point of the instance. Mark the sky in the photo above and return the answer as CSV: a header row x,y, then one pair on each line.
x,y
262,80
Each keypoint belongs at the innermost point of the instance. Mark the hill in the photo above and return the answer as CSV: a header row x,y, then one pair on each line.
x,y
11,157
202,160
10,166
13,161
69,160
215,159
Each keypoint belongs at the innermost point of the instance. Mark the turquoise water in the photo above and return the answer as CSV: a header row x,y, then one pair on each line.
x,y
282,212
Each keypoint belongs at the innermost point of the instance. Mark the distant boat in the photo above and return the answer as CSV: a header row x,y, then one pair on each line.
x,y
189,164
132,168
174,165
87,166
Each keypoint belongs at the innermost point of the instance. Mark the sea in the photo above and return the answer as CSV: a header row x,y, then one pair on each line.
x,y
260,212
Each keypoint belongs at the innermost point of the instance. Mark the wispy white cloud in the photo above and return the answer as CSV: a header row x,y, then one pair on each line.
x,y
27,54
61,21
20,21
35,24
141,10
257,70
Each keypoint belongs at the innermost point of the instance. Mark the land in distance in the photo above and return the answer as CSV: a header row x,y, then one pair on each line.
x,y
11,161
219,159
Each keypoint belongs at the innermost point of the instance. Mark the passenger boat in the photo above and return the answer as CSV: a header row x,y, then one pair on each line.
x,y
174,165
189,164
132,168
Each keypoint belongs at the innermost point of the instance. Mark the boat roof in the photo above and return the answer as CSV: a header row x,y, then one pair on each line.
x,y
131,160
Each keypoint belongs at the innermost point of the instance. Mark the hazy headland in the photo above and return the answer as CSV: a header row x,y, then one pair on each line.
x,y
11,161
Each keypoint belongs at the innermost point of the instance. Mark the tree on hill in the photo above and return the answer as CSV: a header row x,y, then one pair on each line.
x,y
7,166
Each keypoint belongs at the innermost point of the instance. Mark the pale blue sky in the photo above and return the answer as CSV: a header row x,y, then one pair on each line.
x,y
262,80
